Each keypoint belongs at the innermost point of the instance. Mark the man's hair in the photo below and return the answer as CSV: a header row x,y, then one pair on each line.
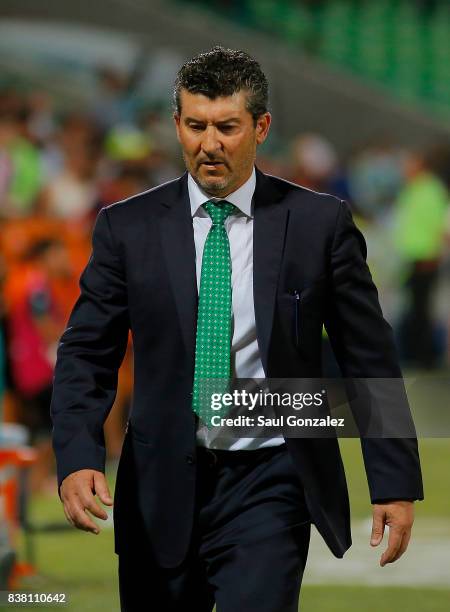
x,y
223,72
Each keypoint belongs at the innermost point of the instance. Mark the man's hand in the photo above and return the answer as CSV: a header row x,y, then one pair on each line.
x,y
399,517
77,494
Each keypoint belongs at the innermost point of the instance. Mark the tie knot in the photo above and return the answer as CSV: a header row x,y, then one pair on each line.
x,y
219,211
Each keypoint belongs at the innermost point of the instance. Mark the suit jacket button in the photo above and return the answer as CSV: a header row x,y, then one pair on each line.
x,y
190,459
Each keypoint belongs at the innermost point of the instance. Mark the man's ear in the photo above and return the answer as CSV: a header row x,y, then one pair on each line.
x,y
262,127
177,118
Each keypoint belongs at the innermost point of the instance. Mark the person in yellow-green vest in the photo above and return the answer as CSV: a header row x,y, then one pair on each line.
x,y
419,221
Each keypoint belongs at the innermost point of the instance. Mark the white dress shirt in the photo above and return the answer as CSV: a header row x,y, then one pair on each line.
x,y
245,357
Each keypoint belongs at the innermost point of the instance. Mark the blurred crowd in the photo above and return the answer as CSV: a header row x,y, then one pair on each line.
x,y
58,169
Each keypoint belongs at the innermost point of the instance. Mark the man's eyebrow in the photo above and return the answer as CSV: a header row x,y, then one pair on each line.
x,y
222,122
192,120
229,120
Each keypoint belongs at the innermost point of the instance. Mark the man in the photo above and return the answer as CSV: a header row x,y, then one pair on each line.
x,y
200,519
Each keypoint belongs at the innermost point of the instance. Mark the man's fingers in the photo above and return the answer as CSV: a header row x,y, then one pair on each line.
x,y
403,545
377,528
77,495
394,543
68,517
82,520
88,502
91,505
101,489
399,515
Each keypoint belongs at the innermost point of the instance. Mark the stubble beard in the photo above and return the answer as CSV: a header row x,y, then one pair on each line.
x,y
213,186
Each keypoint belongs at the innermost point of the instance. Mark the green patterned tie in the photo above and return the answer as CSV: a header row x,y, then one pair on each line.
x,y
213,345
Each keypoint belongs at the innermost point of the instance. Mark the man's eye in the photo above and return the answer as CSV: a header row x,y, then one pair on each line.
x,y
227,128
196,128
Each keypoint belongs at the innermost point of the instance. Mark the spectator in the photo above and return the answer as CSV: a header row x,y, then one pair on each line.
x,y
35,324
19,165
419,221
375,178
314,161
72,194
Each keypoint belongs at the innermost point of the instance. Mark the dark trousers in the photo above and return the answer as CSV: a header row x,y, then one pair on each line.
x,y
418,325
249,544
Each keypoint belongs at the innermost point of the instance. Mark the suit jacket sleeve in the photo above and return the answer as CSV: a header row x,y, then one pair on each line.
x,y
89,355
363,343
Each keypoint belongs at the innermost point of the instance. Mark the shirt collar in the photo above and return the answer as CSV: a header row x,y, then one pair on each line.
x,y
241,198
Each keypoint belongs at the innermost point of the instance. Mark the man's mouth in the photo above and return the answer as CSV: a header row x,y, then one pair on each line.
x,y
212,164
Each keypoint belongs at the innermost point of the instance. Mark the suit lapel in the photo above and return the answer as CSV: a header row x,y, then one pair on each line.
x,y
179,252
269,230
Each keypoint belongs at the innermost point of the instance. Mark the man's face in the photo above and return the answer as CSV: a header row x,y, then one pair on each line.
x,y
219,140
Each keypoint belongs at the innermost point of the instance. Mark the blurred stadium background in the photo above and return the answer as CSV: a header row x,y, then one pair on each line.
x,y
360,95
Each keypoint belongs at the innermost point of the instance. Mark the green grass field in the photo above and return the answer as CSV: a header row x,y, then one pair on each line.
x,y
84,565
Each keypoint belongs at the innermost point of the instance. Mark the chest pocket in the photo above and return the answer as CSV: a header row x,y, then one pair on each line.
x,y
301,310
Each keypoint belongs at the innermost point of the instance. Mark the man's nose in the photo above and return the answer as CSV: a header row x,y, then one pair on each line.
x,y
211,143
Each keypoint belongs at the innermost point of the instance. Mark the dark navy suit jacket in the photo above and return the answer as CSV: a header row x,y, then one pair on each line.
x,y
141,277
